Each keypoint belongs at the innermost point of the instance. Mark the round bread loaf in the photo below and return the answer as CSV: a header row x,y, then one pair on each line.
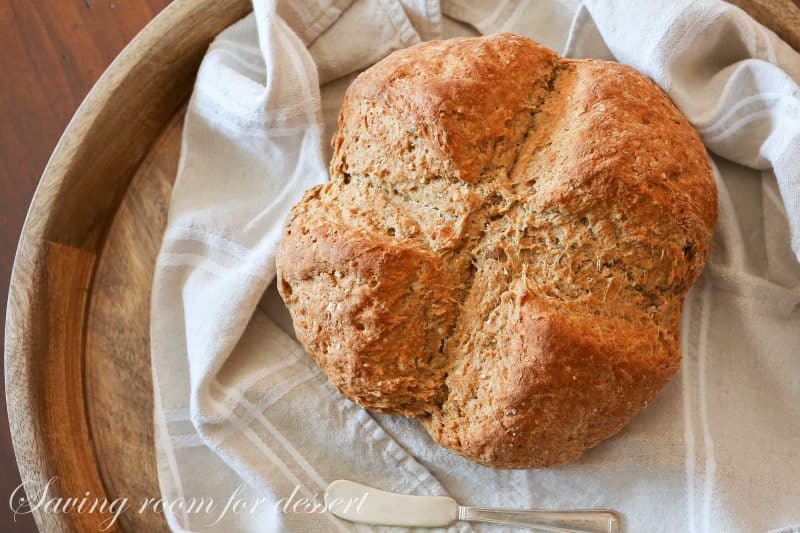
x,y
503,248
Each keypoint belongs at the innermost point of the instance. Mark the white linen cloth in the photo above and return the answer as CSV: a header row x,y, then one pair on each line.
x,y
242,414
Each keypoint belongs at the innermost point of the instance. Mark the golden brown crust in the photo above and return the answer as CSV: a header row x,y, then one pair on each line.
x,y
360,306
503,248
449,102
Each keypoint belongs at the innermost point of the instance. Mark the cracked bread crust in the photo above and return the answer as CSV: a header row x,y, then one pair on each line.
x,y
503,248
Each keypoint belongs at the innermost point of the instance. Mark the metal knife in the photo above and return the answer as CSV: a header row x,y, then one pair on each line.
x,y
359,503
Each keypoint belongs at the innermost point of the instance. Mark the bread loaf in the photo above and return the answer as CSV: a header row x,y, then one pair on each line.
x,y
503,247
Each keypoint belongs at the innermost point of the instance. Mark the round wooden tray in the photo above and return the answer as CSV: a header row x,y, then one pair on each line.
x,y
77,336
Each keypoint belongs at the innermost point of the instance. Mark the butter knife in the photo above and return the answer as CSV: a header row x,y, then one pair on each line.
x,y
359,503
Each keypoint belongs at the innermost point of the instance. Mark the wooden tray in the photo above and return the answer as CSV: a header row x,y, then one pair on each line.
x,y
77,346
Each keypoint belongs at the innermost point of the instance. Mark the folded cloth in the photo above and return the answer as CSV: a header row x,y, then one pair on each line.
x,y
248,431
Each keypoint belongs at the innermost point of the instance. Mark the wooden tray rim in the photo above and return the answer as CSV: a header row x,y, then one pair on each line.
x,y
170,47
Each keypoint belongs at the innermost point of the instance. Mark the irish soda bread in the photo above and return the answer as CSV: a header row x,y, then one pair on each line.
x,y
503,248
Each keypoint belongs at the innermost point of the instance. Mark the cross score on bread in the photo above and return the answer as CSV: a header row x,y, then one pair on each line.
x,y
503,248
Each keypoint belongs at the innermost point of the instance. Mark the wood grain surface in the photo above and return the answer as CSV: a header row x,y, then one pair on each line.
x,y
79,381
117,359
60,365
52,53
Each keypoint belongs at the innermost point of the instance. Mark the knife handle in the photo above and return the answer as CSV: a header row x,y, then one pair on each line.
x,y
594,521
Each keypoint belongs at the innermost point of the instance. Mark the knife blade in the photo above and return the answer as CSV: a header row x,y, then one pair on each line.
x,y
360,503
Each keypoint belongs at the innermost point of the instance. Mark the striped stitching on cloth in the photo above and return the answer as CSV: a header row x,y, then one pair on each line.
x,y
689,436
708,443
268,452
689,408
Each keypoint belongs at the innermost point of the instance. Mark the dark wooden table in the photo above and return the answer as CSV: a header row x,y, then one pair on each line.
x,y
51,53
